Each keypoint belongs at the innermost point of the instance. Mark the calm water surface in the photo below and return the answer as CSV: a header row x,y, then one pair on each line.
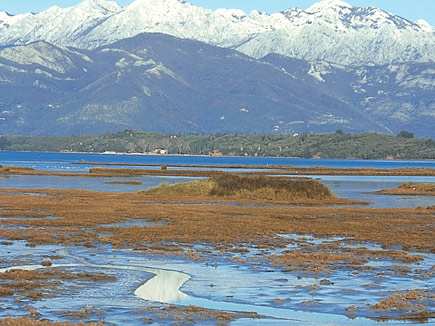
x,y
363,188
63,161
352,187
93,184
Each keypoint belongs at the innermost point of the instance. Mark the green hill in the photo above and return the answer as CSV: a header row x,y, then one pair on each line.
x,y
329,145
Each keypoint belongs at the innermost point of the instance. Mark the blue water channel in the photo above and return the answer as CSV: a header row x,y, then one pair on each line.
x,y
352,187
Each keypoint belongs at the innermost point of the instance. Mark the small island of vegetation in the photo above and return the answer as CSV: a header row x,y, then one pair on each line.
x,y
410,188
255,187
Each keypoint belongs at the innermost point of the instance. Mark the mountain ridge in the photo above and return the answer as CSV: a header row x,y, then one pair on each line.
x,y
360,35
88,69
157,82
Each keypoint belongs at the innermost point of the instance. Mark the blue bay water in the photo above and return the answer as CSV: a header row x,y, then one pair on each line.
x,y
63,161
352,187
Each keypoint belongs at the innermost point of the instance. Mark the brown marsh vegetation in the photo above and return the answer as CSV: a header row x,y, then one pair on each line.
x,y
411,303
231,214
188,315
409,188
133,183
82,216
257,187
203,172
32,322
37,284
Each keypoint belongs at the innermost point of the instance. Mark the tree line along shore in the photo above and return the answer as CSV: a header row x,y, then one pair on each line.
x,y
337,145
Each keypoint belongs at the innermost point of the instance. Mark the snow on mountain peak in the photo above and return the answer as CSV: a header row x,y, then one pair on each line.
x,y
330,30
157,3
7,19
233,14
158,11
105,7
327,5
424,25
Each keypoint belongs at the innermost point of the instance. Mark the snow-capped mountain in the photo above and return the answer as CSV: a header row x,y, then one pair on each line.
x,y
6,20
57,25
330,30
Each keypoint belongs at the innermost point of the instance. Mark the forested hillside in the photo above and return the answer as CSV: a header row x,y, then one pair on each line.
x,y
328,145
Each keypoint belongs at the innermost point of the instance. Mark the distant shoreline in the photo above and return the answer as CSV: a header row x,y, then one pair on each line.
x,y
333,145
221,156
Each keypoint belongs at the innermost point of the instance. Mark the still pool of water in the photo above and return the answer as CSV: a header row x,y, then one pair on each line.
x,y
143,281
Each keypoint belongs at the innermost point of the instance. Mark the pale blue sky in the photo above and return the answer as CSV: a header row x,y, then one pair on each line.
x,y
411,10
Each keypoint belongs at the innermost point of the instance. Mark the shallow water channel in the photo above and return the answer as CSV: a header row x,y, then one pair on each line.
x,y
142,281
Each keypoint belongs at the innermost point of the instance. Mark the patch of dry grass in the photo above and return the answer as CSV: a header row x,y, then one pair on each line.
x,y
412,303
202,172
254,188
187,315
35,284
82,216
414,189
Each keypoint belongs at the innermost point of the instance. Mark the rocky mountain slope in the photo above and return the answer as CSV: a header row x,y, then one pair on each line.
x,y
156,82
91,69
400,95
359,36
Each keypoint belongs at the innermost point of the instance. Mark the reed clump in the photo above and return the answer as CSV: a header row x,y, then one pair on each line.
x,y
192,188
268,187
251,187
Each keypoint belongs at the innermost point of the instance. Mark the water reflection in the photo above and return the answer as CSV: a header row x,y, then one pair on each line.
x,y
163,287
